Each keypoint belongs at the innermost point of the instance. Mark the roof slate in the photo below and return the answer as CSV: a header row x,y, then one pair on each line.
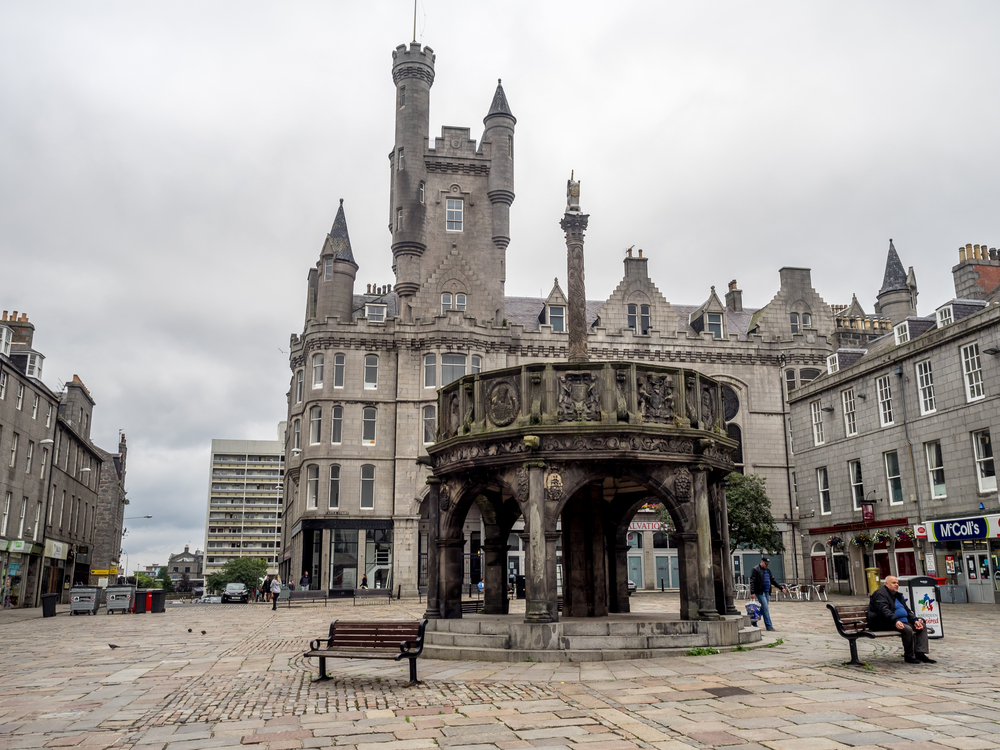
x,y
895,274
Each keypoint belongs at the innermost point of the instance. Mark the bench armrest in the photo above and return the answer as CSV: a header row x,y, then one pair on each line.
x,y
412,649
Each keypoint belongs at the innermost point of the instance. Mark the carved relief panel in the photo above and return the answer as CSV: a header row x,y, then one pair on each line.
x,y
579,397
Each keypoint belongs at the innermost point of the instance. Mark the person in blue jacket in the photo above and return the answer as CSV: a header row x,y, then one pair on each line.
x,y
887,610
762,583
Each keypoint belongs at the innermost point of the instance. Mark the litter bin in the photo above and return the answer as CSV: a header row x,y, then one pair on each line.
x,y
159,601
84,600
519,587
871,575
119,599
923,596
49,604
140,601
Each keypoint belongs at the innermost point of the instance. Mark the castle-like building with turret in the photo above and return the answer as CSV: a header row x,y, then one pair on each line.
x,y
366,368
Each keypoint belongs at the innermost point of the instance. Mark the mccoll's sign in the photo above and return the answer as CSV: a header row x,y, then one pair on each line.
x,y
957,529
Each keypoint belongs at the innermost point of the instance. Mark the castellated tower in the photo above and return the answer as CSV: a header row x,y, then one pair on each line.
x,y
449,210
331,281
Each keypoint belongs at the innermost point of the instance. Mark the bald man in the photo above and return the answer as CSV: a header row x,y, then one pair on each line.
x,y
887,610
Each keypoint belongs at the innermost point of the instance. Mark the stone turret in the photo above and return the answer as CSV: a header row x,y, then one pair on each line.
x,y
499,133
897,299
331,282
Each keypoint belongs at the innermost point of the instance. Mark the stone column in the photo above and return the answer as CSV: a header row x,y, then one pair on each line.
x,y
727,559
552,592
495,559
433,611
687,568
703,521
537,573
574,224
452,573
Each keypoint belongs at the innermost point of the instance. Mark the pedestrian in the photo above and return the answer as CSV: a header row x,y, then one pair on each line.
x,y
762,582
364,581
887,610
304,581
275,592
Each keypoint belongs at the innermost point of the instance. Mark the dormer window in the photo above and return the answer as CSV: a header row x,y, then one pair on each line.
x,y
6,337
34,367
557,317
902,333
375,313
832,364
327,269
713,322
795,322
638,318
945,316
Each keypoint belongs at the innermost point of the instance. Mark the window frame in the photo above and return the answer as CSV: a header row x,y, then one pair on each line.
x,y
465,364
297,435
823,487
559,327
371,483
318,362
972,373
339,369
901,333
369,416
334,490
300,378
816,413
856,476
461,301
893,481
793,319
376,313
883,388
832,364
454,216
328,268
315,425
944,316
849,405
312,487
3,385
428,417
337,425
371,372
982,460
430,370
711,326
935,464
924,371
19,400
476,364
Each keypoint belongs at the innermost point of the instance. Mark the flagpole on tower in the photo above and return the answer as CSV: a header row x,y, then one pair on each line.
x,y
414,20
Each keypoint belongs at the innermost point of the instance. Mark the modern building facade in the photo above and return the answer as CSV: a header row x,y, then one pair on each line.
x,y
893,444
365,370
244,517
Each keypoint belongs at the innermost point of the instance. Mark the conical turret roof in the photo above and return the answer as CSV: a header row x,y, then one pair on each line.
x,y
895,276
338,242
499,105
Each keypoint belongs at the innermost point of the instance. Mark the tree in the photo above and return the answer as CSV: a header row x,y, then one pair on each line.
x,y
750,521
184,584
245,570
144,581
163,579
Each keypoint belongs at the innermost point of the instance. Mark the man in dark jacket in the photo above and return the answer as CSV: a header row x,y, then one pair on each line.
x,y
887,610
762,582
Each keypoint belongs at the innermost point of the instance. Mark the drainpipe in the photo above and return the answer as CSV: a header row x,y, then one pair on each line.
x,y
913,465
788,463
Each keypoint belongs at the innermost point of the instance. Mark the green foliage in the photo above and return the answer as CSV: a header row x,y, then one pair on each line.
x,y
663,516
750,521
740,647
144,581
163,581
776,643
245,570
702,651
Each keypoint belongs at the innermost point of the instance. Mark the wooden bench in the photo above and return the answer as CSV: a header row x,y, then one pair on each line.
x,y
372,596
370,640
306,595
852,623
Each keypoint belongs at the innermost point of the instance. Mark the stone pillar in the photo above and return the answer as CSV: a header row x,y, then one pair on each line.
x,y
452,573
573,561
585,584
433,611
728,574
495,559
536,564
574,224
552,592
621,549
687,568
703,521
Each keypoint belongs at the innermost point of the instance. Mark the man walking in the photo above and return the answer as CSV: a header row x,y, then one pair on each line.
x,y
761,585
887,610
275,592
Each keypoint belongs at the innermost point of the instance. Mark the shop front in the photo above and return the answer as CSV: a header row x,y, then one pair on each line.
x,y
967,552
341,554
55,580
20,574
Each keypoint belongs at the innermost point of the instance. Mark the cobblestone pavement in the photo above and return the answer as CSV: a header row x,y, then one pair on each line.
x,y
244,682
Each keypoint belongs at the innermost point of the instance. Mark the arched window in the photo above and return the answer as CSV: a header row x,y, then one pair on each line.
x,y
807,320
794,317
368,417
430,371
315,425
445,301
459,301
367,486
661,540
312,488
334,487
337,433
299,379
371,371
477,364
634,539
317,363
339,361
638,318
430,424
452,367
296,434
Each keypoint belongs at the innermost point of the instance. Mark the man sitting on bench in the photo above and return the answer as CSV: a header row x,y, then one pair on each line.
x,y
887,610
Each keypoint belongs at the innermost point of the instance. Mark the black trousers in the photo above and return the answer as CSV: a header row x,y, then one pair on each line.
x,y
914,640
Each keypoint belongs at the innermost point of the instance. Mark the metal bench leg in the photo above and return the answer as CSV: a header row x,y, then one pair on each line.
x,y
413,674
854,654
322,670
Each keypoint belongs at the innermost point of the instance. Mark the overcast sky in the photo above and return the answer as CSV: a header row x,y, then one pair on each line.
x,y
169,171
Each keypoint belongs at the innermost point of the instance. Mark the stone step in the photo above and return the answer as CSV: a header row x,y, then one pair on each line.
x,y
466,640
618,642
461,653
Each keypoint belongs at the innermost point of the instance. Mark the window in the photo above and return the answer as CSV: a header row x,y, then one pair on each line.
x,y
638,318
807,320
317,363
925,387
790,380
339,361
460,300
902,333
445,302
375,313
823,483
510,146
296,435
832,364
850,417
20,396
34,408
327,268
45,460
48,416
944,316
477,364
420,191
795,322
884,387
315,425
808,375
973,373
334,487
454,210
557,317
368,417
13,449
893,481
52,504
857,483
817,422
430,371
3,381
430,424
299,378
714,324
38,520
6,510
337,433
984,461
24,513
371,371
399,219
399,160
33,369
6,338
29,457
935,469
312,488
367,486
402,96
452,367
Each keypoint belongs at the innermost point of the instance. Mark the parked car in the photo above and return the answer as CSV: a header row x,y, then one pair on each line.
x,y
631,585
235,592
